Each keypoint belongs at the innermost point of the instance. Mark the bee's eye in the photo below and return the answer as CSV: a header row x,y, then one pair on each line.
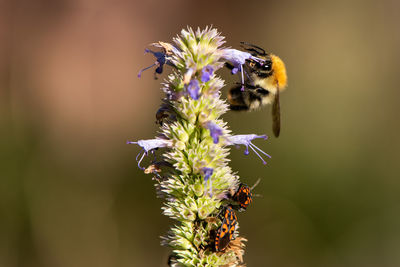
x,y
267,66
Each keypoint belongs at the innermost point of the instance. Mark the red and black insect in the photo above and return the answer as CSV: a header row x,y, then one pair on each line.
x,y
243,196
226,230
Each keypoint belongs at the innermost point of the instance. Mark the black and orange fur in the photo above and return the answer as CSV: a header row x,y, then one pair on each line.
x,y
263,83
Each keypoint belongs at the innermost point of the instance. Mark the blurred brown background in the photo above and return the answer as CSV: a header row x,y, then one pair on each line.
x,y
71,193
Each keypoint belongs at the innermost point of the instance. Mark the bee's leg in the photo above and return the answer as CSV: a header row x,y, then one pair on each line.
x,y
236,99
262,91
238,108
251,87
234,70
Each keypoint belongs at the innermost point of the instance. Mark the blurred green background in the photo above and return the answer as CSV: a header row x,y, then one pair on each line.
x,y
71,193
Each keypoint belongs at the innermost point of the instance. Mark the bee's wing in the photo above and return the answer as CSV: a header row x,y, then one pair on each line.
x,y
276,114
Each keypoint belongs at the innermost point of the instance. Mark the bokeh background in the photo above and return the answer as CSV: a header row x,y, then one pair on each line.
x,y
71,193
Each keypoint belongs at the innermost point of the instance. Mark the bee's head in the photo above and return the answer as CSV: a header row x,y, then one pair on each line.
x,y
261,69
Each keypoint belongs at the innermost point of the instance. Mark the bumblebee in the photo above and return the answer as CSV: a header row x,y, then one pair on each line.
x,y
262,84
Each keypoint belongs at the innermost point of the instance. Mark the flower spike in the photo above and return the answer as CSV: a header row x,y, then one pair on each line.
x,y
196,180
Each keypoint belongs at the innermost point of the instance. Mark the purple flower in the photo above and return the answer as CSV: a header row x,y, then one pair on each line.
x,y
206,73
215,131
148,146
245,139
236,69
161,60
237,58
194,89
207,172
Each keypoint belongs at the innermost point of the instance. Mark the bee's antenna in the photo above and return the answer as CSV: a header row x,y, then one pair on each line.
x,y
255,184
260,52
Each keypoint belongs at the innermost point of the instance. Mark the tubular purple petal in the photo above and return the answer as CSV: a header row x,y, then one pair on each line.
x,y
238,58
159,69
215,131
151,144
245,140
141,158
148,146
161,60
160,56
207,175
207,172
194,89
206,73
140,72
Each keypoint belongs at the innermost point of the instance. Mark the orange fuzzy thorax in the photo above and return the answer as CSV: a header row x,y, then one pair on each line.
x,y
279,71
